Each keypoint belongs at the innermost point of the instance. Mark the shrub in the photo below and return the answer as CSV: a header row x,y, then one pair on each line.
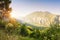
x,y
23,30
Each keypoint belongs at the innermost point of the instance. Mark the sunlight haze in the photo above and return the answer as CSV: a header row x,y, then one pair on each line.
x,y
21,8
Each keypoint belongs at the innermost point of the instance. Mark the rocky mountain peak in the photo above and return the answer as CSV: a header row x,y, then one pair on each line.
x,y
40,18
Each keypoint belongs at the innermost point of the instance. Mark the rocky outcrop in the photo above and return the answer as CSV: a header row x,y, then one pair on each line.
x,y
41,18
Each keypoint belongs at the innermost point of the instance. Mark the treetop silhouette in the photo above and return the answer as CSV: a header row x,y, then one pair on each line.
x,y
5,9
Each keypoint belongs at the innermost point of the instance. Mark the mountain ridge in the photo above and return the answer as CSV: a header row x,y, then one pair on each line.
x,y
40,18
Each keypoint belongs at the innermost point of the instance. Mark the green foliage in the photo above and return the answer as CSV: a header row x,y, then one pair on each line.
x,y
35,34
2,23
24,32
12,29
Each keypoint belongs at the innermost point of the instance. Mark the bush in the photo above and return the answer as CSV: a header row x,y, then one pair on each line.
x,y
2,23
23,30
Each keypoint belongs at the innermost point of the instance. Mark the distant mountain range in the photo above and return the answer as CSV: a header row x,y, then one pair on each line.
x,y
41,18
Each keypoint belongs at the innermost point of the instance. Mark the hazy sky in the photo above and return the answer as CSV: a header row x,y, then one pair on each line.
x,y
22,8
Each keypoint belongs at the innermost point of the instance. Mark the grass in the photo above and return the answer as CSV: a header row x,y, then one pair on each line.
x,y
11,31
6,36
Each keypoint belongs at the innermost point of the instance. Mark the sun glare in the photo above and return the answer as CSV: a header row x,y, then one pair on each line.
x,y
13,15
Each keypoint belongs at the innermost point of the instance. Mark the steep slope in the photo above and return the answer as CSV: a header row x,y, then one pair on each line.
x,y
40,18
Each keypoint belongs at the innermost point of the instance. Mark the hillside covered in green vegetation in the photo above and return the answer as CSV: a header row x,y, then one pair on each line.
x,y
17,31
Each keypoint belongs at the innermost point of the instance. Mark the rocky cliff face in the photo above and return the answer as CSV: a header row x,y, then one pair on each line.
x,y
41,18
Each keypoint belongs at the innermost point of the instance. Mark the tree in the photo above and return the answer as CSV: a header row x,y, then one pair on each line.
x,y
23,30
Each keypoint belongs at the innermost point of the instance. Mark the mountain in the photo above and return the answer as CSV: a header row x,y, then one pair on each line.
x,y
40,18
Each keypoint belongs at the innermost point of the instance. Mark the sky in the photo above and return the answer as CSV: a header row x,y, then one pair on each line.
x,y
21,8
